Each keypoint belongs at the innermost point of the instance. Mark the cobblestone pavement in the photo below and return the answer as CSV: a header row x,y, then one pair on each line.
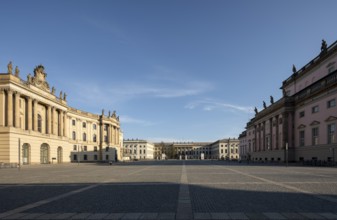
x,y
168,190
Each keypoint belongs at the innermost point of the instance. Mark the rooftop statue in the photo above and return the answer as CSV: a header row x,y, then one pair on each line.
x,y
65,96
294,69
264,104
324,46
271,99
10,67
61,95
53,90
256,111
17,71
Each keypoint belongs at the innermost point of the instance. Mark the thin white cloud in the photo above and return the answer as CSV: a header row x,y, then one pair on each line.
x,y
210,105
124,119
104,26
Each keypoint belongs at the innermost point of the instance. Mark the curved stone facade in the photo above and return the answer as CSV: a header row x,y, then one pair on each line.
x,y
38,127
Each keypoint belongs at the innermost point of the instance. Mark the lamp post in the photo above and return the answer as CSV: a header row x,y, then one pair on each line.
x,y
286,154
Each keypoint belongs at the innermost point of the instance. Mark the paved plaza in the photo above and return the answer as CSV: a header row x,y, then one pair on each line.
x,y
168,190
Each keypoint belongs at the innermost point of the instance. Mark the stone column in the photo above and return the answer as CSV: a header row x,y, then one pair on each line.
x,y
17,110
55,121
49,122
276,132
35,115
115,133
264,136
117,143
30,113
2,107
61,123
66,124
10,108
108,134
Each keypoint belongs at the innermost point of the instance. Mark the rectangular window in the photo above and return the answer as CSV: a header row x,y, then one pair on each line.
x,y
301,114
75,147
95,148
84,148
301,135
73,122
226,151
314,136
331,133
105,138
314,109
221,151
331,103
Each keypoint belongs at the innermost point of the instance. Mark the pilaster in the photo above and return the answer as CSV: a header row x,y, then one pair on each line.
x,y
17,110
49,122
35,115
30,113
10,108
2,107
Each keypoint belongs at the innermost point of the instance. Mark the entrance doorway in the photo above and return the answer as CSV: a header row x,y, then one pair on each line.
x,y
59,155
44,154
25,153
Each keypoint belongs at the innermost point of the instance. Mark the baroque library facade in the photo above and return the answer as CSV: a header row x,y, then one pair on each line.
x,y
38,127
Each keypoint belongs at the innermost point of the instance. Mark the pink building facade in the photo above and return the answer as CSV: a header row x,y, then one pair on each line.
x,y
300,126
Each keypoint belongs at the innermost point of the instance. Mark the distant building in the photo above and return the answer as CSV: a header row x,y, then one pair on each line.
x,y
225,149
191,150
38,127
138,149
302,124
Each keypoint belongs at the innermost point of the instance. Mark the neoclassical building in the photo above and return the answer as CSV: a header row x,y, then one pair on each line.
x,y
138,149
38,127
225,149
302,124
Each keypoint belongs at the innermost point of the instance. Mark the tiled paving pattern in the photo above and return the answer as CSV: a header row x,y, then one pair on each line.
x,y
168,190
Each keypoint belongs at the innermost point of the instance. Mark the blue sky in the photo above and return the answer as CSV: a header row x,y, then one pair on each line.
x,y
173,70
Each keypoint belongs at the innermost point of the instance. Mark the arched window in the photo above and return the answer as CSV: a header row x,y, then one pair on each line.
x,y
94,138
39,123
74,135
84,137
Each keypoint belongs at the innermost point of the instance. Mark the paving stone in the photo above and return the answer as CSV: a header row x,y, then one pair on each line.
x,y
148,216
328,215
131,216
98,216
293,215
32,215
167,215
274,215
202,215
81,216
219,215
114,216
48,216
237,215
15,216
257,216
65,216
310,215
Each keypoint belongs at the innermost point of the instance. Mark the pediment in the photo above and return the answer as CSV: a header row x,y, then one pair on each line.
x,y
315,123
331,118
301,126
